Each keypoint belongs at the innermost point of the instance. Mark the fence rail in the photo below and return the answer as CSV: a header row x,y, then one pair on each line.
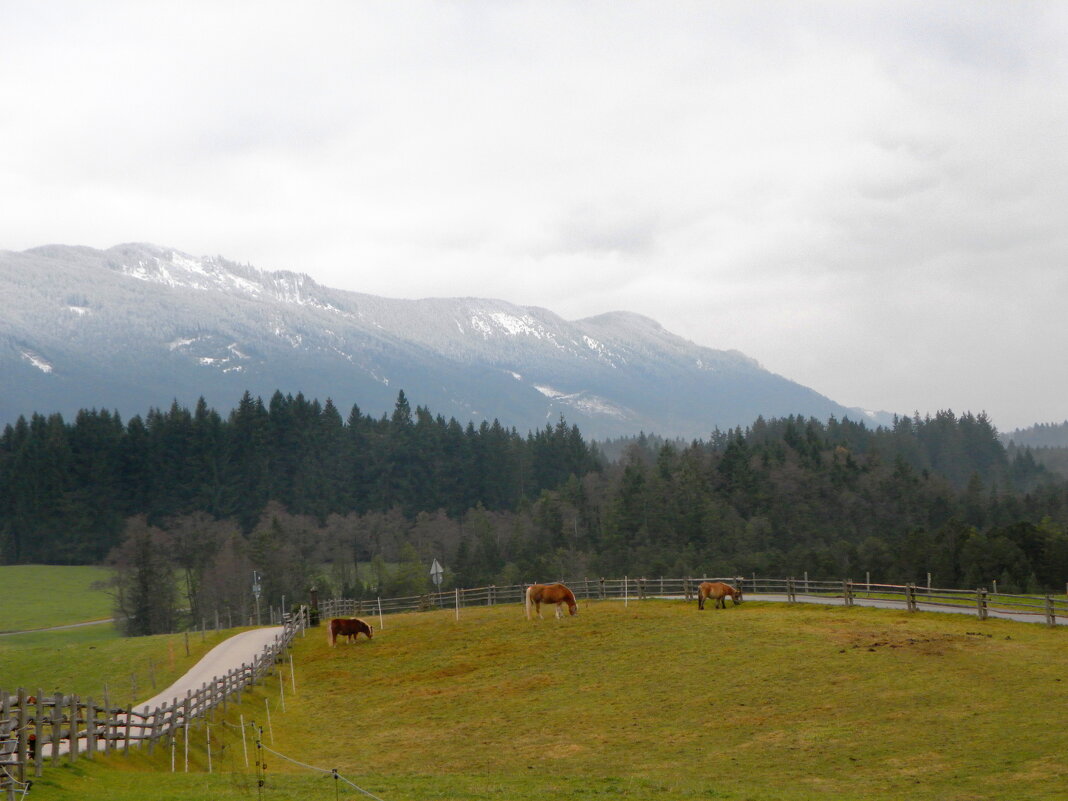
x,y
37,730
914,597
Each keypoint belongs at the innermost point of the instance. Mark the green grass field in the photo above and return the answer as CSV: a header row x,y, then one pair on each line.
x,y
656,701
39,596
86,660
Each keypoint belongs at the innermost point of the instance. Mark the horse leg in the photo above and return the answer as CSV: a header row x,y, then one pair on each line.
x,y
559,614
537,608
700,602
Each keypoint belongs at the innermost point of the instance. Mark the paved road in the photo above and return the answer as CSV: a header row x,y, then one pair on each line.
x,y
59,628
229,654
920,605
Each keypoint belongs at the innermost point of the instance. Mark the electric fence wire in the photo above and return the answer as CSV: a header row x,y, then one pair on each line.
x,y
16,783
334,772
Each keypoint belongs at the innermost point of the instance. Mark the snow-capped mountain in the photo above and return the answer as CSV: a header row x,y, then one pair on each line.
x,y
138,326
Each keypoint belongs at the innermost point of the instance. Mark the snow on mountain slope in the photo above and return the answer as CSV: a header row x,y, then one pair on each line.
x,y
139,325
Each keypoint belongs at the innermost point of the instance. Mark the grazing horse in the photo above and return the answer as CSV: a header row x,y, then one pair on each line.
x,y
718,592
347,627
538,594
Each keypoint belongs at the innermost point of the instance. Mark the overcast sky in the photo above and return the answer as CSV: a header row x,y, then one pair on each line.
x,y
867,198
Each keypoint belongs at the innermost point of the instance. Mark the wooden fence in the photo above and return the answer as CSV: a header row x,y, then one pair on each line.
x,y
913,597
37,730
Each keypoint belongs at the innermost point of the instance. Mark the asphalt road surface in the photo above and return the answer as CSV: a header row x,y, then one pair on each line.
x,y
229,654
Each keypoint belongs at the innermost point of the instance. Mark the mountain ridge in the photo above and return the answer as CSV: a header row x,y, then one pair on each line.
x,y
139,325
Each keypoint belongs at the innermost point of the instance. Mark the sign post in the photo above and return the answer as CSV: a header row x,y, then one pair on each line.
x,y
256,593
437,573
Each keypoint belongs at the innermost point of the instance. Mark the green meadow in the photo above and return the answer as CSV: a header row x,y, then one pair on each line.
x,y
654,701
39,596
91,659
84,660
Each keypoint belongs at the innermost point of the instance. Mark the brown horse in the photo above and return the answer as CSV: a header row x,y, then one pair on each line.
x,y
350,627
538,594
718,592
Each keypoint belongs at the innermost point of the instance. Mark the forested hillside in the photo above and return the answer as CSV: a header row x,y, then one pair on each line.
x,y
292,490
1048,443
1040,435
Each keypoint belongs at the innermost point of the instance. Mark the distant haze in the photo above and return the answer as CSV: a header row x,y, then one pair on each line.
x,y
866,197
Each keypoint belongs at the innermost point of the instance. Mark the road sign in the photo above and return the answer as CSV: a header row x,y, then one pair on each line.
x,y
436,572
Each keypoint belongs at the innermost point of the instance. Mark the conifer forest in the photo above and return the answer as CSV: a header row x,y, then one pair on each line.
x,y
358,506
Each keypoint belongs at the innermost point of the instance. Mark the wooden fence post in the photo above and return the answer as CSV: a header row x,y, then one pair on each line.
x,y
129,725
151,731
90,728
107,721
22,748
980,603
38,735
73,739
847,592
1051,617
57,726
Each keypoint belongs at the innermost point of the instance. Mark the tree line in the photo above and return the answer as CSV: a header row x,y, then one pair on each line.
x,y
358,508
66,489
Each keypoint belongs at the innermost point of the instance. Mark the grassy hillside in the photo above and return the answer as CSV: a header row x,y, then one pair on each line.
x,y
38,596
656,701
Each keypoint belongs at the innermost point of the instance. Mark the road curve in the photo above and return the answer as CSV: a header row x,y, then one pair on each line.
x,y
229,654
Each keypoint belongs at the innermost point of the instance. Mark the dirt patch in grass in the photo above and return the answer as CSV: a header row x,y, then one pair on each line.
x,y
930,645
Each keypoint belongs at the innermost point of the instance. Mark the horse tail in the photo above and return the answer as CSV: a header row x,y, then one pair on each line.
x,y
530,590
331,635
